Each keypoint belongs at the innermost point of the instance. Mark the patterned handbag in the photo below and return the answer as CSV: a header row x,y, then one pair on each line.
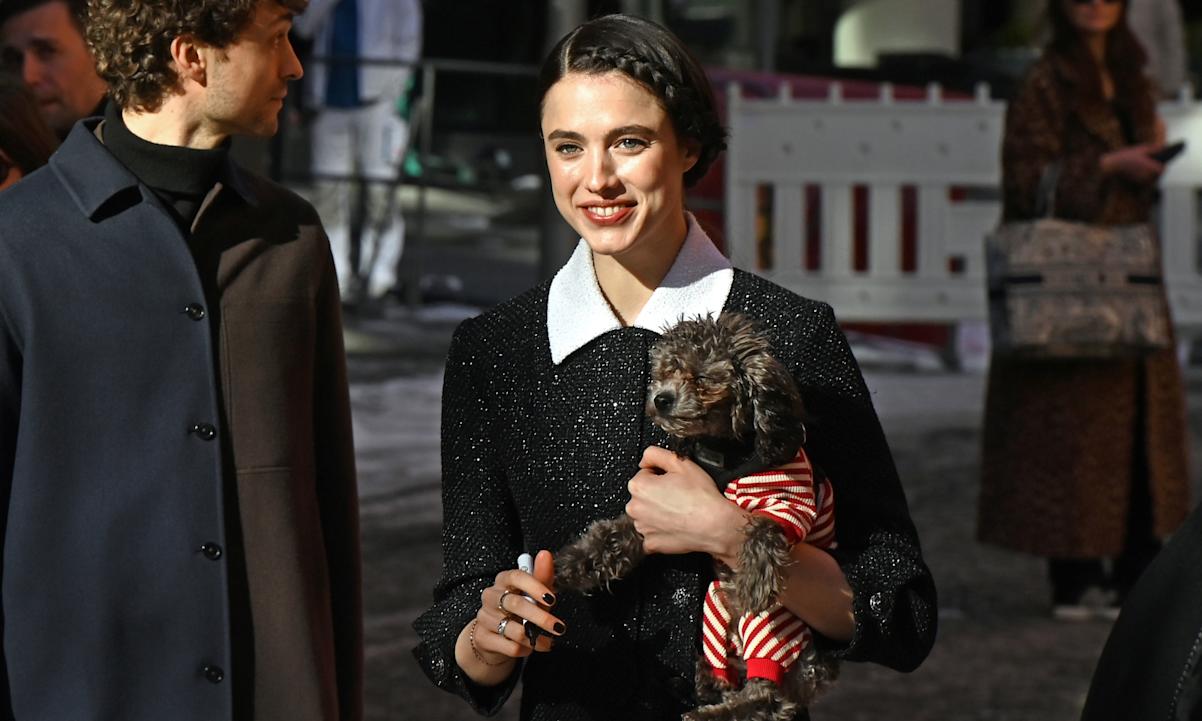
x,y
1062,289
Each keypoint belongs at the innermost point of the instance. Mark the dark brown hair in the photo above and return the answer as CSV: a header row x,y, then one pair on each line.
x,y
131,40
25,138
13,8
656,59
1125,61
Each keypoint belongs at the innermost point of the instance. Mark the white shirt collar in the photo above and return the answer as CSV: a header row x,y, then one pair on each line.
x,y
697,284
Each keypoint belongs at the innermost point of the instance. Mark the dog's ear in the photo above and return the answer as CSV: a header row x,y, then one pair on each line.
x,y
776,405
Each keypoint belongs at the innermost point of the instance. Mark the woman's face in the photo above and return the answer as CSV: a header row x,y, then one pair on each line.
x,y
616,164
1096,17
9,172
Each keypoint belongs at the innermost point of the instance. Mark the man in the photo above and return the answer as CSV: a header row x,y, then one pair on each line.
x,y
42,40
180,526
360,134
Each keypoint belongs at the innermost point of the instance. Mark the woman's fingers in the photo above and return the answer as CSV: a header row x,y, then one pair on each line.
x,y
656,458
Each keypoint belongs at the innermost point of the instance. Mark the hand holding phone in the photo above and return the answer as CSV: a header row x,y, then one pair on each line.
x,y
1168,152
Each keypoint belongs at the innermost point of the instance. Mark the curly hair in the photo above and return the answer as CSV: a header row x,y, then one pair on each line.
x,y
652,56
131,41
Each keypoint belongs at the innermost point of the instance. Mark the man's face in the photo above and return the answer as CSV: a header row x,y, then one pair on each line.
x,y
247,80
44,45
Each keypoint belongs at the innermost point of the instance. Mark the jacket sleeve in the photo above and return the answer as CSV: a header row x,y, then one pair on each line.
x,y
1033,140
480,534
893,593
338,497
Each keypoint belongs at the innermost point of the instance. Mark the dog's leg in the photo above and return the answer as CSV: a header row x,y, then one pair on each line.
x,y
607,551
762,560
758,700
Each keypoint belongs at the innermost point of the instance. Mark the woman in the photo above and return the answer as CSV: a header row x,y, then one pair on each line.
x,y
544,429
1084,460
25,141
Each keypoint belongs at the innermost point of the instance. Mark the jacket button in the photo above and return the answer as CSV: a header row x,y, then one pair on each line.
x,y
212,674
211,551
204,431
195,311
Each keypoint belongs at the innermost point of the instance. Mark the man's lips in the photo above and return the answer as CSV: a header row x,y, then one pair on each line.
x,y
607,214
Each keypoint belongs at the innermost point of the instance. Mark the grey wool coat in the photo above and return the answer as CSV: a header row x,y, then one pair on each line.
x,y
177,488
1064,441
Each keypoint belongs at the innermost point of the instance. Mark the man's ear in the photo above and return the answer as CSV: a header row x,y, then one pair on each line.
x,y
191,60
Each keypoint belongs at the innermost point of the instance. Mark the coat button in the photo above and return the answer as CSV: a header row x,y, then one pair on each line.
x,y
204,431
212,674
195,311
211,551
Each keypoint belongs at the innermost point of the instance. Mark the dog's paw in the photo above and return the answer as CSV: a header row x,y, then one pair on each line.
x,y
762,559
608,551
757,700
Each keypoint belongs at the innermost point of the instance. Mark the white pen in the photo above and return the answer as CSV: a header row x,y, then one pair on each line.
x,y
526,563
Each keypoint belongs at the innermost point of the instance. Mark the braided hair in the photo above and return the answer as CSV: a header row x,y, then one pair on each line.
x,y
649,54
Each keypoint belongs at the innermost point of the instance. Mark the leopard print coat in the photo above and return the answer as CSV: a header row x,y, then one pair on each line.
x,y
1065,442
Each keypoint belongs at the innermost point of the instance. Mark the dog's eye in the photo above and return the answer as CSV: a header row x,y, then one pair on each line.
x,y
699,379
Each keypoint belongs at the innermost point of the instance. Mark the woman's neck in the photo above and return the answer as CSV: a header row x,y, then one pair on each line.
x,y
627,281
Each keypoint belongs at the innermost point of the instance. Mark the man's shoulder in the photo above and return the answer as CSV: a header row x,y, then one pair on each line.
x,y
275,197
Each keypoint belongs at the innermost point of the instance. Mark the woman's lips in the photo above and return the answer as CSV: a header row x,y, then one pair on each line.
x,y
607,214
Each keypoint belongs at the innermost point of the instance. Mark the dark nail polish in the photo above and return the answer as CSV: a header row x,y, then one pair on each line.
x,y
550,600
559,627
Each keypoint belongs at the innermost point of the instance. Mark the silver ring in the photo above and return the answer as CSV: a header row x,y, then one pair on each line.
x,y
501,626
501,600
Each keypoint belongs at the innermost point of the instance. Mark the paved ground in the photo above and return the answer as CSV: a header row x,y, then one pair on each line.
x,y
998,656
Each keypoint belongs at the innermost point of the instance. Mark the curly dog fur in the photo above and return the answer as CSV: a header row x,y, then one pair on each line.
x,y
715,379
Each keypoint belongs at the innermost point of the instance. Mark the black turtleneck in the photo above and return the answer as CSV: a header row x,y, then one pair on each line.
x,y
181,177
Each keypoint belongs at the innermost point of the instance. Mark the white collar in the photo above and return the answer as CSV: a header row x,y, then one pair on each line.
x,y
696,284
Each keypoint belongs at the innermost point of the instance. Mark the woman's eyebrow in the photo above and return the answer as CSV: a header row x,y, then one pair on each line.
x,y
616,132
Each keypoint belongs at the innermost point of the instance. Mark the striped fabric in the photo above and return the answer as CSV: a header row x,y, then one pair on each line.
x,y
771,641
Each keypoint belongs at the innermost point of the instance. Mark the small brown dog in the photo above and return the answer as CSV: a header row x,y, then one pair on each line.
x,y
725,401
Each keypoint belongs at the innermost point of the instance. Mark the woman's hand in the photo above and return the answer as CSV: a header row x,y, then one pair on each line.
x,y
490,644
678,509
1133,163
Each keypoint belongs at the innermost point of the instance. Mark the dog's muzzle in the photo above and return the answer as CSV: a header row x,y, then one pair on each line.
x,y
664,401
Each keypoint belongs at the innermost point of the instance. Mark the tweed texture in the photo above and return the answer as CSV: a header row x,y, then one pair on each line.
x,y
534,452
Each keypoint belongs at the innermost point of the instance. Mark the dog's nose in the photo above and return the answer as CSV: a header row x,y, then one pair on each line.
x,y
664,401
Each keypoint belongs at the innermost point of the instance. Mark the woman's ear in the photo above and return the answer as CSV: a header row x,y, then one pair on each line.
x,y
692,153
190,58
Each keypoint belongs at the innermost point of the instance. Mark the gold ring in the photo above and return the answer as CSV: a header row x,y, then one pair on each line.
x,y
501,600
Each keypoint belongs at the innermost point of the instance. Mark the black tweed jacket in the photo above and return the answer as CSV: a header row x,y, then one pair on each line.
x,y
534,452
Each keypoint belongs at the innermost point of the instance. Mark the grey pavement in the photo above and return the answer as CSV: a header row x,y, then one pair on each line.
x,y
998,656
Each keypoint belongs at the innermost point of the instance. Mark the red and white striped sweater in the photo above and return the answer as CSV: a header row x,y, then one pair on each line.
x,y
771,641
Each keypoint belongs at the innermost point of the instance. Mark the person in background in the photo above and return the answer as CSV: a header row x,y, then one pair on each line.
x,y
1158,26
25,141
1084,462
181,529
544,425
42,41
360,132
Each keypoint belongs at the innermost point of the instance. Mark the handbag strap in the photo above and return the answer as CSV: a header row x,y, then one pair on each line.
x,y
1045,198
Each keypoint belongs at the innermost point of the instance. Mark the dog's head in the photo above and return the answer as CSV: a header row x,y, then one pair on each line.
x,y
717,378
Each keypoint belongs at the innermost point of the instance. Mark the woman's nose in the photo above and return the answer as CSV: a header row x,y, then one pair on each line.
x,y
601,173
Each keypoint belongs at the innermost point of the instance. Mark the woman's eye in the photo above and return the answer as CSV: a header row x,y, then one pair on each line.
x,y
567,149
632,144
